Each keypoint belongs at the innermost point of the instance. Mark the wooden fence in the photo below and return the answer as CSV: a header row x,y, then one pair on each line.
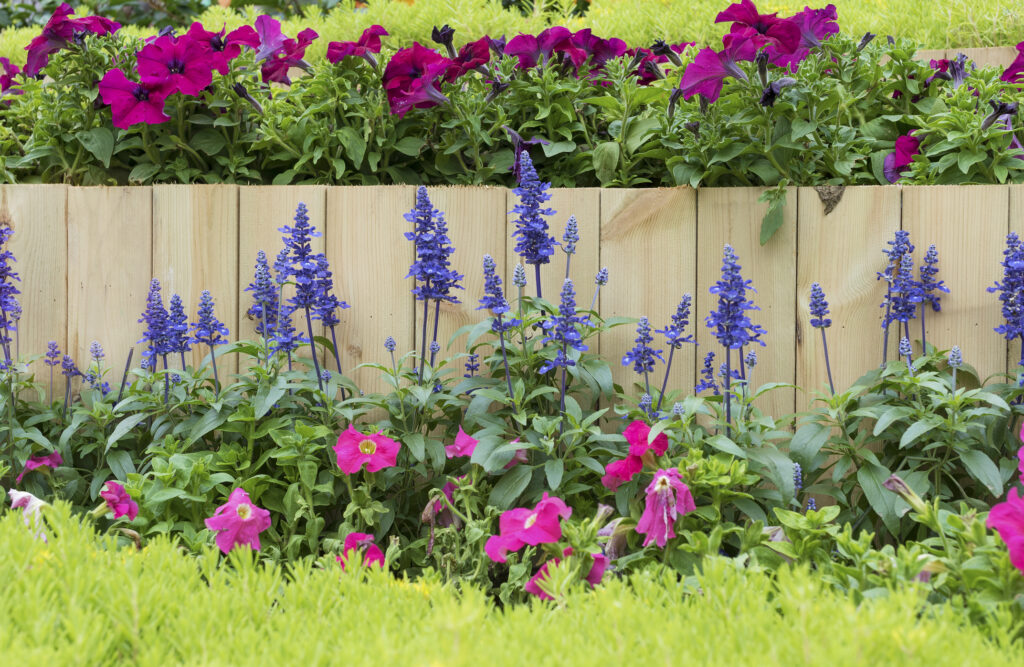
x,y
86,256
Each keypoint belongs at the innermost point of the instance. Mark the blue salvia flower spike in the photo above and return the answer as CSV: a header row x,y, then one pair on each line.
x,y
642,356
1011,291
898,247
929,288
569,240
8,302
177,328
820,320
208,330
302,266
534,244
675,336
956,360
494,301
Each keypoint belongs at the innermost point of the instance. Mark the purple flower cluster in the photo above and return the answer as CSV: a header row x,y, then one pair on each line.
x,y
156,335
299,262
535,245
563,329
207,329
431,269
707,375
1011,290
264,309
642,356
10,310
819,308
731,326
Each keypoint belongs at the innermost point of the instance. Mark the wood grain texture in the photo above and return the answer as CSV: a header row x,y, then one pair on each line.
x,y
968,226
733,216
476,226
992,56
370,258
1013,355
843,252
195,248
648,243
262,211
37,213
585,204
110,265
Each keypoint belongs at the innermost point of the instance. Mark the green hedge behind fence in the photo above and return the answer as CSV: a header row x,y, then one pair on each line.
x,y
79,599
955,23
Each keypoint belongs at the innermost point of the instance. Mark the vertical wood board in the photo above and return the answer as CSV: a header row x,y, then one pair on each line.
x,y
1013,355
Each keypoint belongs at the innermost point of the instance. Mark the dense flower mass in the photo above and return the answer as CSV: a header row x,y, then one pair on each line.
x,y
729,321
59,32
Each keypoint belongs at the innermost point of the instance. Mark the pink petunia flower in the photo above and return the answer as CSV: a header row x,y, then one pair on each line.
x,y
668,498
907,146
49,461
239,521
637,435
761,29
619,472
519,527
30,507
598,49
271,39
470,57
412,79
367,45
118,501
60,31
275,67
354,449
464,445
441,510
8,71
176,65
1008,519
361,543
593,577
706,74
814,25
537,50
131,102
1014,73
223,49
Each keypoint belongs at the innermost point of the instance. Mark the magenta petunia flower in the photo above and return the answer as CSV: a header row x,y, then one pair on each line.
x,y
238,521
223,49
1008,519
521,456
706,74
367,44
131,102
412,79
470,57
598,49
271,39
278,52
637,435
118,501
354,449
619,472
536,50
761,29
1015,72
593,577
814,25
49,461
31,507
668,498
464,445
442,512
60,31
177,65
519,527
8,71
1020,455
361,543
907,146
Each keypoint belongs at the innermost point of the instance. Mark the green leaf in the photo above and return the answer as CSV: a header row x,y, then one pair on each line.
x,y
871,477
417,445
982,469
606,161
120,463
916,430
771,223
209,141
100,142
266,397
890,416
553,469
558,147
307,473
410,146
724,444
801,128
142,172
808,441
355,147
510,486
122,428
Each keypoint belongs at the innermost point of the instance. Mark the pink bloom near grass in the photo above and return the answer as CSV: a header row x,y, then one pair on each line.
x,y
593,577
34,462
367,44
118,501
361,543
895,163
238,521
815,25
708,71
130,102
760,29
464,445
1015,72
519,527
537,50
637,435
355,449
176,65
30,507
668,498
223,49
618,473
60,31
1007,518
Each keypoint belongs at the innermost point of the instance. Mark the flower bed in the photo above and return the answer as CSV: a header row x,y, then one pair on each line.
x,y
822,108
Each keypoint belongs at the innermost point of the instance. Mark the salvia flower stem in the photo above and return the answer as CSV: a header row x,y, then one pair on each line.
x,y
664,383
312,347
423,345
828,366
728,393
504,359
337,357
213,363
437,318
124,376
167,381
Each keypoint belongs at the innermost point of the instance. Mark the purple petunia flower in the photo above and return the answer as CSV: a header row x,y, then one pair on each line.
x,y
907,146
367,45
1014,73
761,29
598,49
814,25
279,53
412,79
130,102
176,65
59,32
536,50
471,56
223,48
708,71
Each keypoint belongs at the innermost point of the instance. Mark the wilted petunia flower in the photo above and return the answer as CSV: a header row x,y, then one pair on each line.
x,y
361,543
31,507
668,498
118,501
367,44
238,521
355,449
519,527
49,461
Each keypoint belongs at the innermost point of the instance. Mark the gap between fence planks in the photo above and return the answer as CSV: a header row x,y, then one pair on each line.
x,y
86,256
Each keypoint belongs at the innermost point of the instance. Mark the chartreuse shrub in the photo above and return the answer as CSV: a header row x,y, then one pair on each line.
x,y
85,599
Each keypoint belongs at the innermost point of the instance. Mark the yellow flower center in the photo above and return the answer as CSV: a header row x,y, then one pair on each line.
x,y
530,520
663,484
244,511
367,446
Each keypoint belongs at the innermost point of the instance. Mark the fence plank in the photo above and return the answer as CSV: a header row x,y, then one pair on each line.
x,y
1013,355
37,213
968,225
262,211
195,248
476,226
842,251
931,54
648,241
992,56
110,264
370,257
585,204
733,216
